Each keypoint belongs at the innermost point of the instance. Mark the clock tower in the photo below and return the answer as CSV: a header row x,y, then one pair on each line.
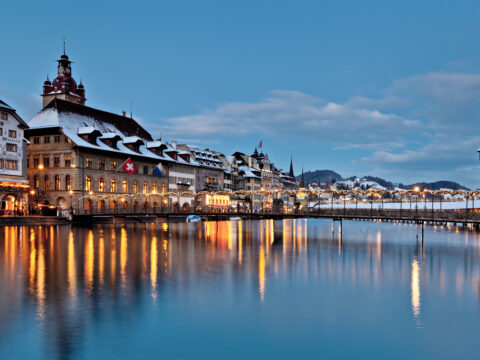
x,y
64,85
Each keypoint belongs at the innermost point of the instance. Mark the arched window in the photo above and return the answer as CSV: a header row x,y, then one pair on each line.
x,y
57,182
124,186
88,183
164,188
135,187
36,182
113,185
47,182
101,185
68,183
154,187
145,187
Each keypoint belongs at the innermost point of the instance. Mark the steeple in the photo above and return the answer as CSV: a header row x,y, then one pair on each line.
x,y
302,180
290,173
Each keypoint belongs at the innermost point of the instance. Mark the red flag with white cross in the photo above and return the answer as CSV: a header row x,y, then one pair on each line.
x,y
129,167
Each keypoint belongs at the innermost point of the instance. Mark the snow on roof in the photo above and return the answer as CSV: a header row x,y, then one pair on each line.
x,y
5,105
109,135
248,171
132,140
154,144
85,130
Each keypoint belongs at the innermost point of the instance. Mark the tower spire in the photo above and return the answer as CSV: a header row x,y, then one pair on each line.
x,y
290,173
302,180
64,53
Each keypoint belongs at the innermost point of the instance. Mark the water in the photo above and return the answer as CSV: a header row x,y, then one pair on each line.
x,y
253,289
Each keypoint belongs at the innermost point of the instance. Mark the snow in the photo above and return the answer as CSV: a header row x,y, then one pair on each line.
x,y
85,130
248,172
132,140
396,205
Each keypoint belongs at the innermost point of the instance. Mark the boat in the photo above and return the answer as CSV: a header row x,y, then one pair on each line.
x,y
235,218
193,219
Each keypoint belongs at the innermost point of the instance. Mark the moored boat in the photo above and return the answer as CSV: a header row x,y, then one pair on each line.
x,y
193,219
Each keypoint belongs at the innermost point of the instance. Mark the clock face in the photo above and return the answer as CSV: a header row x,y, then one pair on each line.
x,y
67,71
61,70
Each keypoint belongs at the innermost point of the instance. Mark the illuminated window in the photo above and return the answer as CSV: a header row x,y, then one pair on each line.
x,y
113,185
124,186
57,182
164,188
145,187
47,183
12,133
101,185
135,187
36,182
4,116
68,183
68,160
11,164
88,163
154,187
113,165
88,183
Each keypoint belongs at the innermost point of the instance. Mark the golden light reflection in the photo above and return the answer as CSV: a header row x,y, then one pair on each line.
x,y
415,288
101,259
153,267
261,273
33,262
41,280
123,256
71,266
89,261
240,240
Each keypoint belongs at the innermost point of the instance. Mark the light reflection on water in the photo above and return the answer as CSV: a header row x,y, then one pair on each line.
x,y
290,288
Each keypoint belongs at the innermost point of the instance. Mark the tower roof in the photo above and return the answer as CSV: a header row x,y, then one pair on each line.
x,y
290,173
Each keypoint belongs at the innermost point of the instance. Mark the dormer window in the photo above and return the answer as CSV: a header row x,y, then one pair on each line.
x,y
89,134
111,139
133,143
173,154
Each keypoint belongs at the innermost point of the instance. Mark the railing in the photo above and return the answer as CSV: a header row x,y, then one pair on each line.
x,y
458,215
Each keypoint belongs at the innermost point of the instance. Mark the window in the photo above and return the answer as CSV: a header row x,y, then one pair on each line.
x,y
88,183
113,185
101,164
56,161
57,182
145,169
154,187
113,165
11,164
12,133
1,164
46,162
1,131
46,139
135,187
4,116
101,185
47,182
56,138
145,187
68,160
28,162
36,140
88,163
36,182
68,183
11,147
35,162
124,186
164,188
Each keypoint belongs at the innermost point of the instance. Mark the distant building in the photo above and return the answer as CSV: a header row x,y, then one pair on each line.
x,y
13,161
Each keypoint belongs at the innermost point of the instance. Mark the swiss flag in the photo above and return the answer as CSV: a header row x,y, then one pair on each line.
x,y
129,167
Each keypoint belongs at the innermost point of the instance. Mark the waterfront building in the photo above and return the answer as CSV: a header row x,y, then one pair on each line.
x,y
77,154
13,162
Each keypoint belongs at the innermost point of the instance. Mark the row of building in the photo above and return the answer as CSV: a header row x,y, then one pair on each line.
x,y
71,157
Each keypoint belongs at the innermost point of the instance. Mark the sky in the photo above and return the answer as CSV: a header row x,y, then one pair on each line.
x,y
383,88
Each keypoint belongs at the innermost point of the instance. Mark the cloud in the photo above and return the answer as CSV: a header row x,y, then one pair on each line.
x,y
295,116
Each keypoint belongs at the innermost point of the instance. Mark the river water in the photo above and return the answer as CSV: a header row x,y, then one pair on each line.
x,y
288,289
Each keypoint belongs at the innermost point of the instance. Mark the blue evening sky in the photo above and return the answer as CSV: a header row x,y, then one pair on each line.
x,y
386,88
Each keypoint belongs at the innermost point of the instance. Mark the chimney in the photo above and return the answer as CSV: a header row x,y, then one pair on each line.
x,y
174,144
124,113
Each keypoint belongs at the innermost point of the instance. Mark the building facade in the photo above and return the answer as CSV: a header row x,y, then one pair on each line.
x,y
13,162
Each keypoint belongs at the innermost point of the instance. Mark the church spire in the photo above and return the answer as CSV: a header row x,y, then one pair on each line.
x,y
302,180
290,173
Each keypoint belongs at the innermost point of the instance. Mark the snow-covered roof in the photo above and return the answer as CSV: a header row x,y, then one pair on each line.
x,y
109,135
85,130
132,140
248,171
